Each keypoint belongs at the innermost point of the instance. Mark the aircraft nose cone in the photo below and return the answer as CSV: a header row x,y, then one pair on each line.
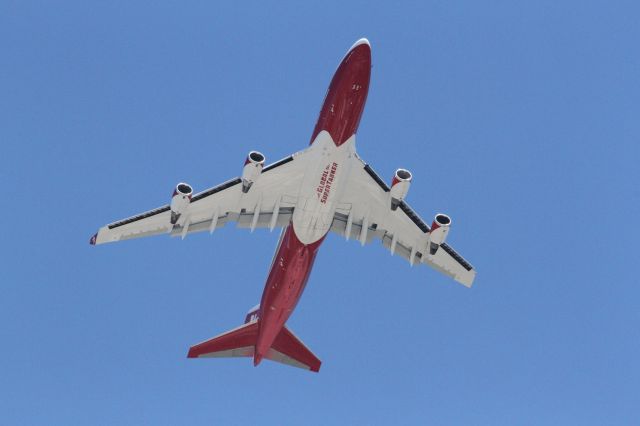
x,y
362,44
359,53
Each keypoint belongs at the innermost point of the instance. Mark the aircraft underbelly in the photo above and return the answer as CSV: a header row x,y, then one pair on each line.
x,y
322,187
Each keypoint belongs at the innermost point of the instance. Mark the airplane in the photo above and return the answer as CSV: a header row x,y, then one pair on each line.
x,y
325,187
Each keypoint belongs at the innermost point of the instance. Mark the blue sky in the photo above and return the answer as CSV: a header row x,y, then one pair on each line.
x,y
519,119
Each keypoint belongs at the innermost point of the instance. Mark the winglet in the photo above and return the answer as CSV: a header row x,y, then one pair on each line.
x,y
93,239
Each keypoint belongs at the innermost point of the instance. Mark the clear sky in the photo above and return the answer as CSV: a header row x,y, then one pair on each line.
x,y
519,119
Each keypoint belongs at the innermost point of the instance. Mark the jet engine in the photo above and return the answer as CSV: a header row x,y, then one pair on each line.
x,y
439,230
252,170
399,187
180,201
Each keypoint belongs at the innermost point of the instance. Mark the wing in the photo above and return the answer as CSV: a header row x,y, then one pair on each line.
x,y
364,213
269,203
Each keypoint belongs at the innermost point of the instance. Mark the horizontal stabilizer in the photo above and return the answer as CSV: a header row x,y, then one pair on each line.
x,y
240,342
290,350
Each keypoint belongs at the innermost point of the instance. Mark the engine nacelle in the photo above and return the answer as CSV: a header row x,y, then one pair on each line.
x,y
180,201
400,187
439,230
252,170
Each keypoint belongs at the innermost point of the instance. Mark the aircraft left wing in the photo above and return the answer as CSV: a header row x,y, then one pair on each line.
x,y
364,213
268,203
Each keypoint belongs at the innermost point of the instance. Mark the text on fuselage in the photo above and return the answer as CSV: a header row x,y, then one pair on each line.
x,y
326,180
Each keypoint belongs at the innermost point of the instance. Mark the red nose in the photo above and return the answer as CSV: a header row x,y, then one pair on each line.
x,y
347,95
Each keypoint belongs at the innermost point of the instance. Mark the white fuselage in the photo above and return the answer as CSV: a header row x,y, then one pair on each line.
x,y
322,186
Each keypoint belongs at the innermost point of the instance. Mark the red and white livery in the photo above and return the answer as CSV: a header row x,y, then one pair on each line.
x,y
326,187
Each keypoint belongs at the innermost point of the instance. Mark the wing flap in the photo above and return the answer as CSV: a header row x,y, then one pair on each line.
x,y
242,220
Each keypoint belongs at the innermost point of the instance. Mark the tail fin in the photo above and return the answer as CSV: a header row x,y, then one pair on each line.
x,y
253,314
240,342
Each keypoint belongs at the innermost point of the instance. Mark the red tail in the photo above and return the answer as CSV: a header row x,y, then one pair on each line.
x,y
240,342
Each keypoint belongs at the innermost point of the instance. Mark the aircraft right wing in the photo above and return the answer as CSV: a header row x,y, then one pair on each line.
x,y
268,203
